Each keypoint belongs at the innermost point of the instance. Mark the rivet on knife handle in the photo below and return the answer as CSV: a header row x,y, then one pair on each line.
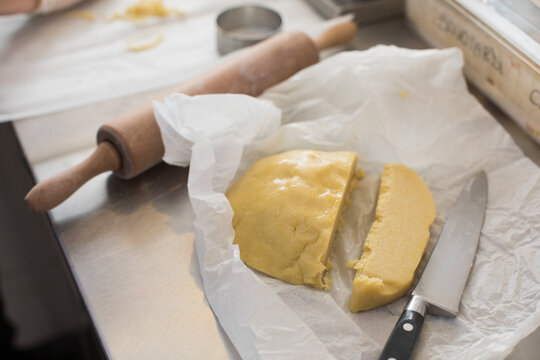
x,y
400,344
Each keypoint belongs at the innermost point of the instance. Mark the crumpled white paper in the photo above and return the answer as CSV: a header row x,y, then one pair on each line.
x,y
389,105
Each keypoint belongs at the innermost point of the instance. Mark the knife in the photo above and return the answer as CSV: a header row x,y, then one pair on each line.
x,y
443,280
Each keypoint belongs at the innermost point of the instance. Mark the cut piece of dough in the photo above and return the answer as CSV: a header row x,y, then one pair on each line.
x,y
396,241
144,9
144,41
286,210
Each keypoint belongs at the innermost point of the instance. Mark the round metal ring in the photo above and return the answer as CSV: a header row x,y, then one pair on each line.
x,y
243,26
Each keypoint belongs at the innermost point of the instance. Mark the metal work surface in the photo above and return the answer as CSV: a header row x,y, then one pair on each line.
x,y
130,243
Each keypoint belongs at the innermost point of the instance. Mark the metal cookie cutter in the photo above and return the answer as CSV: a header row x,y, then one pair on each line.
x,y
243,26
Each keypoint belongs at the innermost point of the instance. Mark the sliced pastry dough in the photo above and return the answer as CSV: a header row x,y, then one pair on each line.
x,y
396,241
286,210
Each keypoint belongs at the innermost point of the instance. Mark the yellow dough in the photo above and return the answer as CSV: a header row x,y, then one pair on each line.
x,y
82,14
396,241
144,9
144,41
286,210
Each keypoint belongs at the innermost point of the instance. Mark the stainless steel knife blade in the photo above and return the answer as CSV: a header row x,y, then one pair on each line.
x,y
447,270
445,275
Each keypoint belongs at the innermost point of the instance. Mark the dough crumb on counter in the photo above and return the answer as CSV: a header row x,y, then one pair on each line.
x,y
82,14
396,241
144,41
287,208
144,9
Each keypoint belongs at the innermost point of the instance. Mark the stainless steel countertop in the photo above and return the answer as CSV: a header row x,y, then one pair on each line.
x,y
130,243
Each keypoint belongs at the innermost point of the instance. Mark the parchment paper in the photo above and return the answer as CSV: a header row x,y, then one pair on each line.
x,y
389,105
59,61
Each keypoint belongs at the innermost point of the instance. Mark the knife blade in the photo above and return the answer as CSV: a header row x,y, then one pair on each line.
x,y
445,275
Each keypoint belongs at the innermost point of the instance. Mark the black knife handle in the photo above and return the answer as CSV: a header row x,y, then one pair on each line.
x,y
400,344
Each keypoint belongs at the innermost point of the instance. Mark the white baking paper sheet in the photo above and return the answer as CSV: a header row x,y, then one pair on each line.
x,y
59,61
389,105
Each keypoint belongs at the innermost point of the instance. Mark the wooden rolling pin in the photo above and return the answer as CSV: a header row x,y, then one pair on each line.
x,y
131,143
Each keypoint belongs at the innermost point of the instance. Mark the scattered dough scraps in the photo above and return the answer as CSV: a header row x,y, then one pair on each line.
x,y
396,241
144,41
144,9
287,209
83,14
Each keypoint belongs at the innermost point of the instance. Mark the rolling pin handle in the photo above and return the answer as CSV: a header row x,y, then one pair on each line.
x,y
53,191
338,34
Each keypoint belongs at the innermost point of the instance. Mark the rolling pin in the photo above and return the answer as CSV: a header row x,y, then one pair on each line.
x,y
131,143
